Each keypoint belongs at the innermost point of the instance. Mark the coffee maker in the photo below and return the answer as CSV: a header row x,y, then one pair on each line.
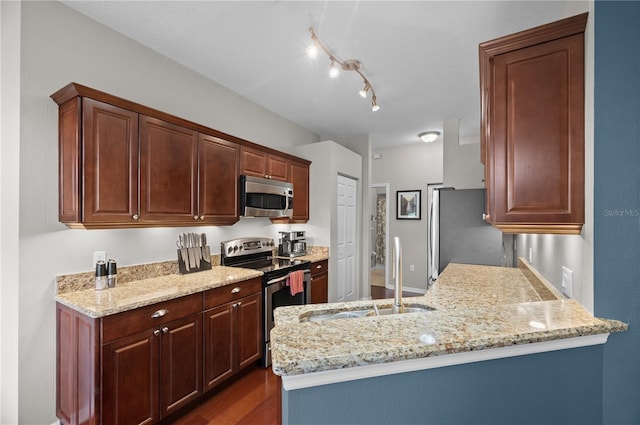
x,y
292,244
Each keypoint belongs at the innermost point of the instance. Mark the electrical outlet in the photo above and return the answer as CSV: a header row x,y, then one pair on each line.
x,y
412,268
567,282
530,255
99,255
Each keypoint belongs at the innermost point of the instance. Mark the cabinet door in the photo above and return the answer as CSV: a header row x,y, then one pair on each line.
x,y
218,183
181,363
249,333
253,162
219,345
110,157
533,128
320,288
277,168
130,380
168,172
299,174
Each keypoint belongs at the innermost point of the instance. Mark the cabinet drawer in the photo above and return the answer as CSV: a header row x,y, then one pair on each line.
x,y
235,291
129,322
319,267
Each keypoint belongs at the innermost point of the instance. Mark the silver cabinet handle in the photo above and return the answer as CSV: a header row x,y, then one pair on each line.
x,y
156,332
201,217
318,266
135,216
239,303
195,217
235,290
159,313
165,330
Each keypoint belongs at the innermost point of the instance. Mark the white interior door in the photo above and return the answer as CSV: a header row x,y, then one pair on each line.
x,y
347,241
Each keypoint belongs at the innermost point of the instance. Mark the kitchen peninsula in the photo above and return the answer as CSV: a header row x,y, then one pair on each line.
x,y
501,346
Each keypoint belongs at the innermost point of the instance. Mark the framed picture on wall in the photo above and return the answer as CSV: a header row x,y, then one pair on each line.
x,y
408,204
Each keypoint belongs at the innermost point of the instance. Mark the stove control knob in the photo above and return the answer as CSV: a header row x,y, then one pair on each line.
x,y
229,249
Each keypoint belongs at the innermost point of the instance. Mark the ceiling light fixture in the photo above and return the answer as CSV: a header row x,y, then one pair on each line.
x,y
347,65
429,136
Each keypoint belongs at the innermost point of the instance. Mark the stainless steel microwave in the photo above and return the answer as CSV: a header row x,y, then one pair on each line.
x,y
265,197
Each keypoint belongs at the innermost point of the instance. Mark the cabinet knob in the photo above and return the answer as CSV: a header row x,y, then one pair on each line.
x,y
239,303
485,217
195,217
201,217
319,266
235,290
156,332
165,330
135,217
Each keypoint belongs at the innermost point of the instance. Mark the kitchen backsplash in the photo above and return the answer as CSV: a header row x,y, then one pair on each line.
x,y
86,280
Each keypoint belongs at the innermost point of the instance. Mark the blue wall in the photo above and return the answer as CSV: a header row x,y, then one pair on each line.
x,y
560,387
617,202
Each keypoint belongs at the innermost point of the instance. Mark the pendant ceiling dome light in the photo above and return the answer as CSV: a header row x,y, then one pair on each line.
x,y
347,65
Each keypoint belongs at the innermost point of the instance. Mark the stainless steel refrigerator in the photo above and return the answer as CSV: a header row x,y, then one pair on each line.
x,y
458,232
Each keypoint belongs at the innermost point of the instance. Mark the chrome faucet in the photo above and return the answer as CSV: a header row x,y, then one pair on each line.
x,y
396,270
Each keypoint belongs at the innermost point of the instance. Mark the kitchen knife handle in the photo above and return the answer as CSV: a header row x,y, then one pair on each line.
x,y
159,313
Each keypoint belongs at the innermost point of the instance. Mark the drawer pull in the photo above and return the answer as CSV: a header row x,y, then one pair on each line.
x,y
165,330
156,332
318,266
159,313
235,290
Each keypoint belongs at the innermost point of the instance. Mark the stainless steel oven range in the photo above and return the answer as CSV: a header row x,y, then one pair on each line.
x,y
257,254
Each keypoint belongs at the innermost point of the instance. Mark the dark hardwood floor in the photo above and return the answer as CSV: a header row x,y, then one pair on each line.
x,y
379,292
252,399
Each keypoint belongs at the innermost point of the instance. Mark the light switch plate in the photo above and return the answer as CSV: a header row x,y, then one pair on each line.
x,y
567,282
97,256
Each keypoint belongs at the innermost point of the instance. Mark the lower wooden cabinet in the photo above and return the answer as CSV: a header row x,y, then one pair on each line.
x,y
232,338
320,282
140,366
150,374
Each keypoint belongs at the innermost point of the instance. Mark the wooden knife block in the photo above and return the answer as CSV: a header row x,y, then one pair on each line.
x,y
182,267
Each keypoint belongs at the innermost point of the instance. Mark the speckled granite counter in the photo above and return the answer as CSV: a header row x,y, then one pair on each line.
x,y
138,293
476,308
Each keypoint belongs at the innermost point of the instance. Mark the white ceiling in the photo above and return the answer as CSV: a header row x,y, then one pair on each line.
x,y
420,56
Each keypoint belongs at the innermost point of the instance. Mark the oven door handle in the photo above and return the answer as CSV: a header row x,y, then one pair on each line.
x,y
280,279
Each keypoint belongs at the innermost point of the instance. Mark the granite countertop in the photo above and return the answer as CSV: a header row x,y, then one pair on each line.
x,y
139,293
476,308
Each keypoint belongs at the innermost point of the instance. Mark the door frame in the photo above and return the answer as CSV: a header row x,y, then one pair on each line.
x,y
387,193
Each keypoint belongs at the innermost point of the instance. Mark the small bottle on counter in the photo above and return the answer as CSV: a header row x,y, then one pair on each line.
x,y
101,275
112,273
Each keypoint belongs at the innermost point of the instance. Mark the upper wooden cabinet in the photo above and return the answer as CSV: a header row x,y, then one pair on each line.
x,y
122,164
532,100
109,152
219,170
260,163
299,176
168,172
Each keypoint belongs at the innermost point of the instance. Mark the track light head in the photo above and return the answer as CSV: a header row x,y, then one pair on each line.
x,y
334,72
374,104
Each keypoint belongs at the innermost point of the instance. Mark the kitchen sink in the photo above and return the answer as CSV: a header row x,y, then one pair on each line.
x,y
374,310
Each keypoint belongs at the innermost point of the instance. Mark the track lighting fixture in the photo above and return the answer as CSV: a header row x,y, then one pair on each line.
x,y
347,65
